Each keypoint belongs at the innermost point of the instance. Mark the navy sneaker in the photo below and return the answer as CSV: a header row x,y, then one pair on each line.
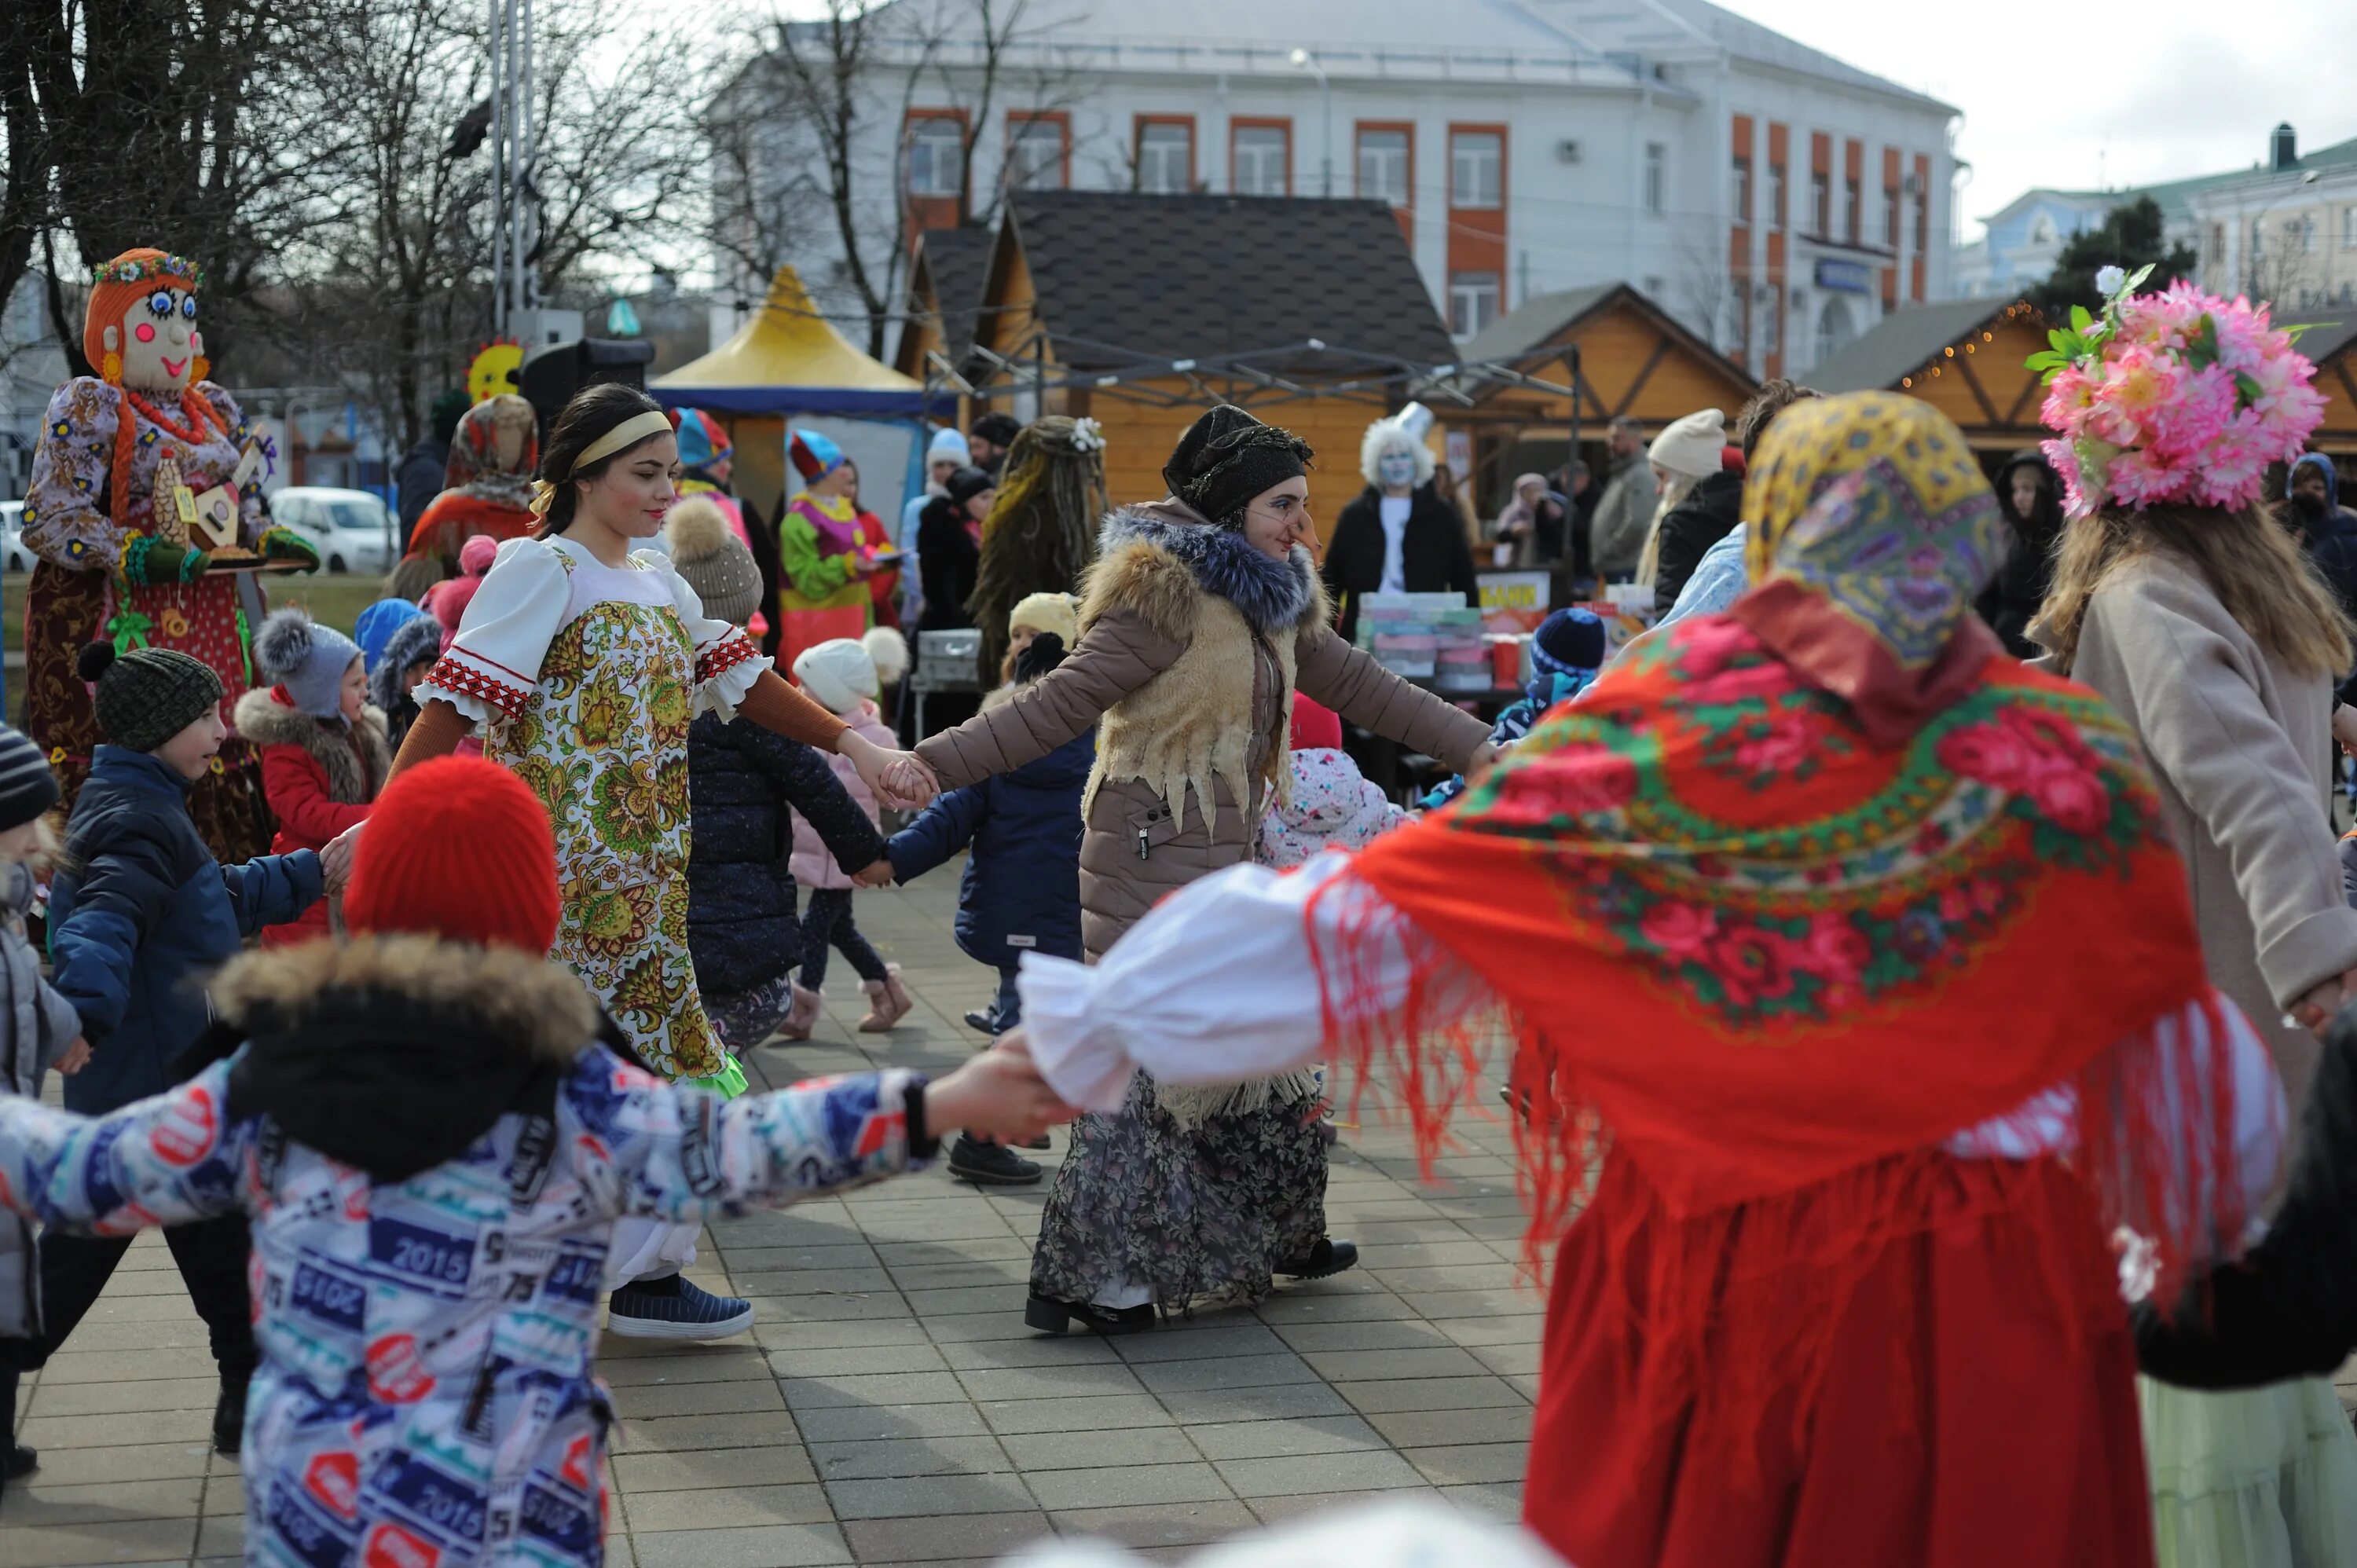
x,y
674,1308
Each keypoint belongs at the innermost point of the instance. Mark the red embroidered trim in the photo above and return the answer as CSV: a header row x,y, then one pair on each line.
x,y
723,657
451,675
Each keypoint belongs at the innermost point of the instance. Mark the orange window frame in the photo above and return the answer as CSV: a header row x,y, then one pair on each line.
x,y
1139,123
1260,123
1018,121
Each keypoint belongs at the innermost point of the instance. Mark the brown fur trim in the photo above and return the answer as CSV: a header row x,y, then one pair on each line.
x,y
540,1005
1148,582
1320,611
355,772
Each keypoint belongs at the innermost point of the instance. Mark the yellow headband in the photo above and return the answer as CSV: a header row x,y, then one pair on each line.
x,y
629,433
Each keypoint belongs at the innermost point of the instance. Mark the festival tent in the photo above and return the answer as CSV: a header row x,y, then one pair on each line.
x,y
789,365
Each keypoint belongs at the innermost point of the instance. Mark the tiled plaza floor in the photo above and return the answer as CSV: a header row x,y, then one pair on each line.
x,y
890,1406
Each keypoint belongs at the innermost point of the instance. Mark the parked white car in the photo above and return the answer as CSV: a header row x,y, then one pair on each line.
x,y
352,529
14,556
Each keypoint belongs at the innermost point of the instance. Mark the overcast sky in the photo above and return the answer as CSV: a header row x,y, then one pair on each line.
x,y
2061,92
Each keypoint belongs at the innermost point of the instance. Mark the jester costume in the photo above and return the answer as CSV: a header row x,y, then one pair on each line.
x,y
821,594
1811,929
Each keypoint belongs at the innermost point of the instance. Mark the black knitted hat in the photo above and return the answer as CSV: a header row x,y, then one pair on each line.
x,y
147,695
1227,457
27,787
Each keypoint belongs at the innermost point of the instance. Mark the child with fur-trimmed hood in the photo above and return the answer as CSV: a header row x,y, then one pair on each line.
x,y
325,753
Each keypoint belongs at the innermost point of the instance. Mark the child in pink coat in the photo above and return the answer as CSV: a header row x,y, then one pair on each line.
x,y
845,677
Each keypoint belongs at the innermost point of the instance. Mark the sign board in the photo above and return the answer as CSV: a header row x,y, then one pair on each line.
x,y
1844,277
1512,603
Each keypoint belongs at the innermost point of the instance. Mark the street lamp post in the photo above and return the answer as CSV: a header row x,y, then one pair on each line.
x,y
1303,60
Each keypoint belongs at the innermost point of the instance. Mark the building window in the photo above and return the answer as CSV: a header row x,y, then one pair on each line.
x,y
1472,301
2348,228
1657,177
1890,218
2258,241
936,155
1384,166
1262,159
1743,191
1166,156
1776,194
1821,205
2214,252
1772,319
1849,211
1476,168
2305,231
1035,153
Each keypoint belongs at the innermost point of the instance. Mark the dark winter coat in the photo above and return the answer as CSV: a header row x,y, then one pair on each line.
x,y
411,641
2331,543
2289,1308
1434,555
2011,600
742,927
423,469
949,564
1707,515
37,1025
1022,887
141,915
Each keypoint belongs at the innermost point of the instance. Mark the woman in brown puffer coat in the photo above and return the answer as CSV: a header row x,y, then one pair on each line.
x,y
1202,617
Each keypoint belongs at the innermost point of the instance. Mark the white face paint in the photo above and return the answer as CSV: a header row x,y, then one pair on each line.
x,y
1396,468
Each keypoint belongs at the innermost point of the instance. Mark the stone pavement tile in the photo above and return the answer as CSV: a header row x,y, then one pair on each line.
x,y
110,1399
1273,1439
1498,1275
695,1364
224,1495
874,1280
1393,1256
823,1222
1039,1351
1383,1396
1343,1213
641,1476
755,1546
881,1423
1331,1306
1228,1337
1527,1386
997,1295
858,1361
1079,1412
1374,1334
33,1503
914,1278
1471,1464
990,1385
1277,1510
1510,1360
917,1539
1232,1372
156,1308
974,1327
1279,1401
883,1460
933,1221
1514,1301
645,1402
124,1463
1298,1475
221,1537
681,1433
1480,1333
845,1334
850,1255
1096,1450
46,1432
969,1249
883,1389
1441,1428
1159,1524
900,1498
730,1508
1189,1482
89,1365
1492,1502
1442,1360
776,1317
115,1541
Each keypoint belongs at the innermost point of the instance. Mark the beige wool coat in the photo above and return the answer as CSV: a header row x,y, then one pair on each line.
x,y
2242,745
1190,653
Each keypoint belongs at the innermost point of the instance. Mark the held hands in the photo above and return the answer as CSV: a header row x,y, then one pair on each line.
x,y
336,860
2315,1010
998,1095
911,780
76,1056
877,875
895,778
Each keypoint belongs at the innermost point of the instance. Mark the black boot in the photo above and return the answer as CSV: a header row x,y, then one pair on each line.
x,y
16,1461
1049,1315
990,1165
1328,1257
228,1413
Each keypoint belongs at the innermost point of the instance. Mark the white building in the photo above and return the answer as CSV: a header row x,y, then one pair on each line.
x,y
32,366
1776,200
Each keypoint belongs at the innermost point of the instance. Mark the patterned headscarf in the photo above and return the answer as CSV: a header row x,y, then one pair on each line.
x,y
475,466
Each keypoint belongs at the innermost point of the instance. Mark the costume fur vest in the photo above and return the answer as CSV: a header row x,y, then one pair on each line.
x,y
1236,609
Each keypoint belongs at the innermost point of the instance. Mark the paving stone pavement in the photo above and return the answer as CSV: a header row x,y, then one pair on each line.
x,y
890,1406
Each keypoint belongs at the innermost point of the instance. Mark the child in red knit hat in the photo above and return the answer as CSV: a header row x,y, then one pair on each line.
x,y
433,1131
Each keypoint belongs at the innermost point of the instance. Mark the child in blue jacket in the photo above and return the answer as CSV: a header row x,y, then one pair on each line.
x,y
1022,887
140,917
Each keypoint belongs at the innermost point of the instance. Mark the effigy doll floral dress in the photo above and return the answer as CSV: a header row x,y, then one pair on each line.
x,y
585,677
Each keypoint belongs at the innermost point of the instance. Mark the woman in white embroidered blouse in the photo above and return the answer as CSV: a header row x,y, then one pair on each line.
x,y
585,663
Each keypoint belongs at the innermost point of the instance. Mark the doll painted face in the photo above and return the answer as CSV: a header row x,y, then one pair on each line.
x,y
159,340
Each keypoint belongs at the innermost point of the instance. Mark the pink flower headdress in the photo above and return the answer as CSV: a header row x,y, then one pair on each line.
x,y
2176,397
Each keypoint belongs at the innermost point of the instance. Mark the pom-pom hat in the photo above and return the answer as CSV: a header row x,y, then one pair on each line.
x,y
2176,398
712,560
838,674
458,848
27,786
306,661
147,695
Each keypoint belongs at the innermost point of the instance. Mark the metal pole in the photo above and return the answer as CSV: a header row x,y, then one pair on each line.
x,y
1326,93
527,175
514,192
1571,502
499,178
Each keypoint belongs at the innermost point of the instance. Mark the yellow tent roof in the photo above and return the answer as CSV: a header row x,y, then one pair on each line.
x,y
788,358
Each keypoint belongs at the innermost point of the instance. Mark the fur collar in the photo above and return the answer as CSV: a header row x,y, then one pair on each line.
x,y
356,760
539,1008
1271,595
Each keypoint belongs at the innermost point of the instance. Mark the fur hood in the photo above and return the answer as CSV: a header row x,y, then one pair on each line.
x,y
263,720
1153,559
393,1054
413,641
357,761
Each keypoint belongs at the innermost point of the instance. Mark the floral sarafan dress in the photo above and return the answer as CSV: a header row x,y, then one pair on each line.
x,y
585,677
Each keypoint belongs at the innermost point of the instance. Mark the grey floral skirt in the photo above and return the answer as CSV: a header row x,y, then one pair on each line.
x,y
1203,1215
